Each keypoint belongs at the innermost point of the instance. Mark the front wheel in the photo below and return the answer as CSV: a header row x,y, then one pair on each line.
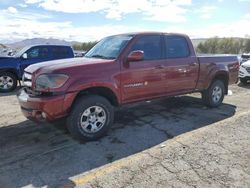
x,y
90,118
214,95
8,82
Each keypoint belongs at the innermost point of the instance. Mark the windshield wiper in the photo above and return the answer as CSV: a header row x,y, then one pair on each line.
x,y
101,56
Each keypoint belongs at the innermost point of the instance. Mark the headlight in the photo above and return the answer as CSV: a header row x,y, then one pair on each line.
x,y
45,82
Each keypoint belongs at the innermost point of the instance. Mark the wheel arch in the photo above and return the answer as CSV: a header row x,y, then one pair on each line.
x,y
105,92
224,77
10,70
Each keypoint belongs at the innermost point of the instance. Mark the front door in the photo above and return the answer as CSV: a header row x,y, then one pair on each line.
x,y
35,55
143,79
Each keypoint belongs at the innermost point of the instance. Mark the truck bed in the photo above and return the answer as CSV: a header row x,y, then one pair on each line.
x,y
212,63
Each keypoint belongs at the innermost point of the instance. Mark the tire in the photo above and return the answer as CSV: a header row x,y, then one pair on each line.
x,y
214,95
8,82
243,81
90,118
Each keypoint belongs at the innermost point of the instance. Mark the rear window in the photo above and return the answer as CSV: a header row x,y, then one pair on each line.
x,y
176,47
60,52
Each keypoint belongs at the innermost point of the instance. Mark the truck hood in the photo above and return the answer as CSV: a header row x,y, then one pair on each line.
x,y
247,63
8,61
50,66
6,58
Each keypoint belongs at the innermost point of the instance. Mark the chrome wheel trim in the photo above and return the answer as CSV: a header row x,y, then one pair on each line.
x,y
216,94
6,82
93,119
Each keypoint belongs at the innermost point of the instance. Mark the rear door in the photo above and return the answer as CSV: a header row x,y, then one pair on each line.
x,y
35,55
144,79
181,67
60,52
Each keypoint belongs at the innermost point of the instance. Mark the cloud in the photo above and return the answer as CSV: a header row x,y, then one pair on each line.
x,y
22,5
18,24
156,10
207,12
247,16
32,1
25,25
233,29
12,10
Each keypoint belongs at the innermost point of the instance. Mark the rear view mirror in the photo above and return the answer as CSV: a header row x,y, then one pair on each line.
x,y
25,56
137,55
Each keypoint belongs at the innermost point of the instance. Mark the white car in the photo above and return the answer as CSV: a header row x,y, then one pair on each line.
x,y
244,58
244,73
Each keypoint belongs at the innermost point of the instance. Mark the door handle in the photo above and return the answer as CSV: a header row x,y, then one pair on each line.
x,y
193,64
159,67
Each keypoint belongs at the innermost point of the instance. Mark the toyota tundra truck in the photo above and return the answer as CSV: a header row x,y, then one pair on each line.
x,y
118,70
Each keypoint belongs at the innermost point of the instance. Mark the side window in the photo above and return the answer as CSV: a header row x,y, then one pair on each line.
x,y
60,52
176,47
151,45
43,52
39,52
33,53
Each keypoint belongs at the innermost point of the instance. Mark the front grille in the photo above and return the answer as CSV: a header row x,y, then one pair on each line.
x,y
27,83
27,79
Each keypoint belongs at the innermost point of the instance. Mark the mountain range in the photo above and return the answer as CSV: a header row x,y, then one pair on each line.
x,y
36,41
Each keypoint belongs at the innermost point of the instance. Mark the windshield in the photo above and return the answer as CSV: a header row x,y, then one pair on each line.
x,y
109,47
245,56
20,52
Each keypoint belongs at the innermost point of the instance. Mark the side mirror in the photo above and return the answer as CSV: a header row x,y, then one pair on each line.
x,y
25,56
137,55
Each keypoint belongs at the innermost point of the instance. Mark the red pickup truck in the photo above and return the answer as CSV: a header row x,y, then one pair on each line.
x,y
118,70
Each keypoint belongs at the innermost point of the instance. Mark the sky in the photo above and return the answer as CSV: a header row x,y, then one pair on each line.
x,y
90,20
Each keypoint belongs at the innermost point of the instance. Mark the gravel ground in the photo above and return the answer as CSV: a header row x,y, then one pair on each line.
x,y
215,156
175,142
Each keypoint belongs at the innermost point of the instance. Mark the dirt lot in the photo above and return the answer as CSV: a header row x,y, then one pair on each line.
x,y
175,142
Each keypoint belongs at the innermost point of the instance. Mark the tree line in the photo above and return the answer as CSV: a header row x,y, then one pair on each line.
x,y
224,46
210,46
85,46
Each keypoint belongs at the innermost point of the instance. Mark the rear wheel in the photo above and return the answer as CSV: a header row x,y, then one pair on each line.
x,y
214,95
90,118
8,82
243,80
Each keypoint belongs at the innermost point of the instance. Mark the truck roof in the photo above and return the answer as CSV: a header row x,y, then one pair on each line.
x,y
152,32
53,45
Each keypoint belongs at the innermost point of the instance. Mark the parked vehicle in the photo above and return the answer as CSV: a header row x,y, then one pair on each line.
x,y
244,73
79,53
244,57
6,52
118,70
11,68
